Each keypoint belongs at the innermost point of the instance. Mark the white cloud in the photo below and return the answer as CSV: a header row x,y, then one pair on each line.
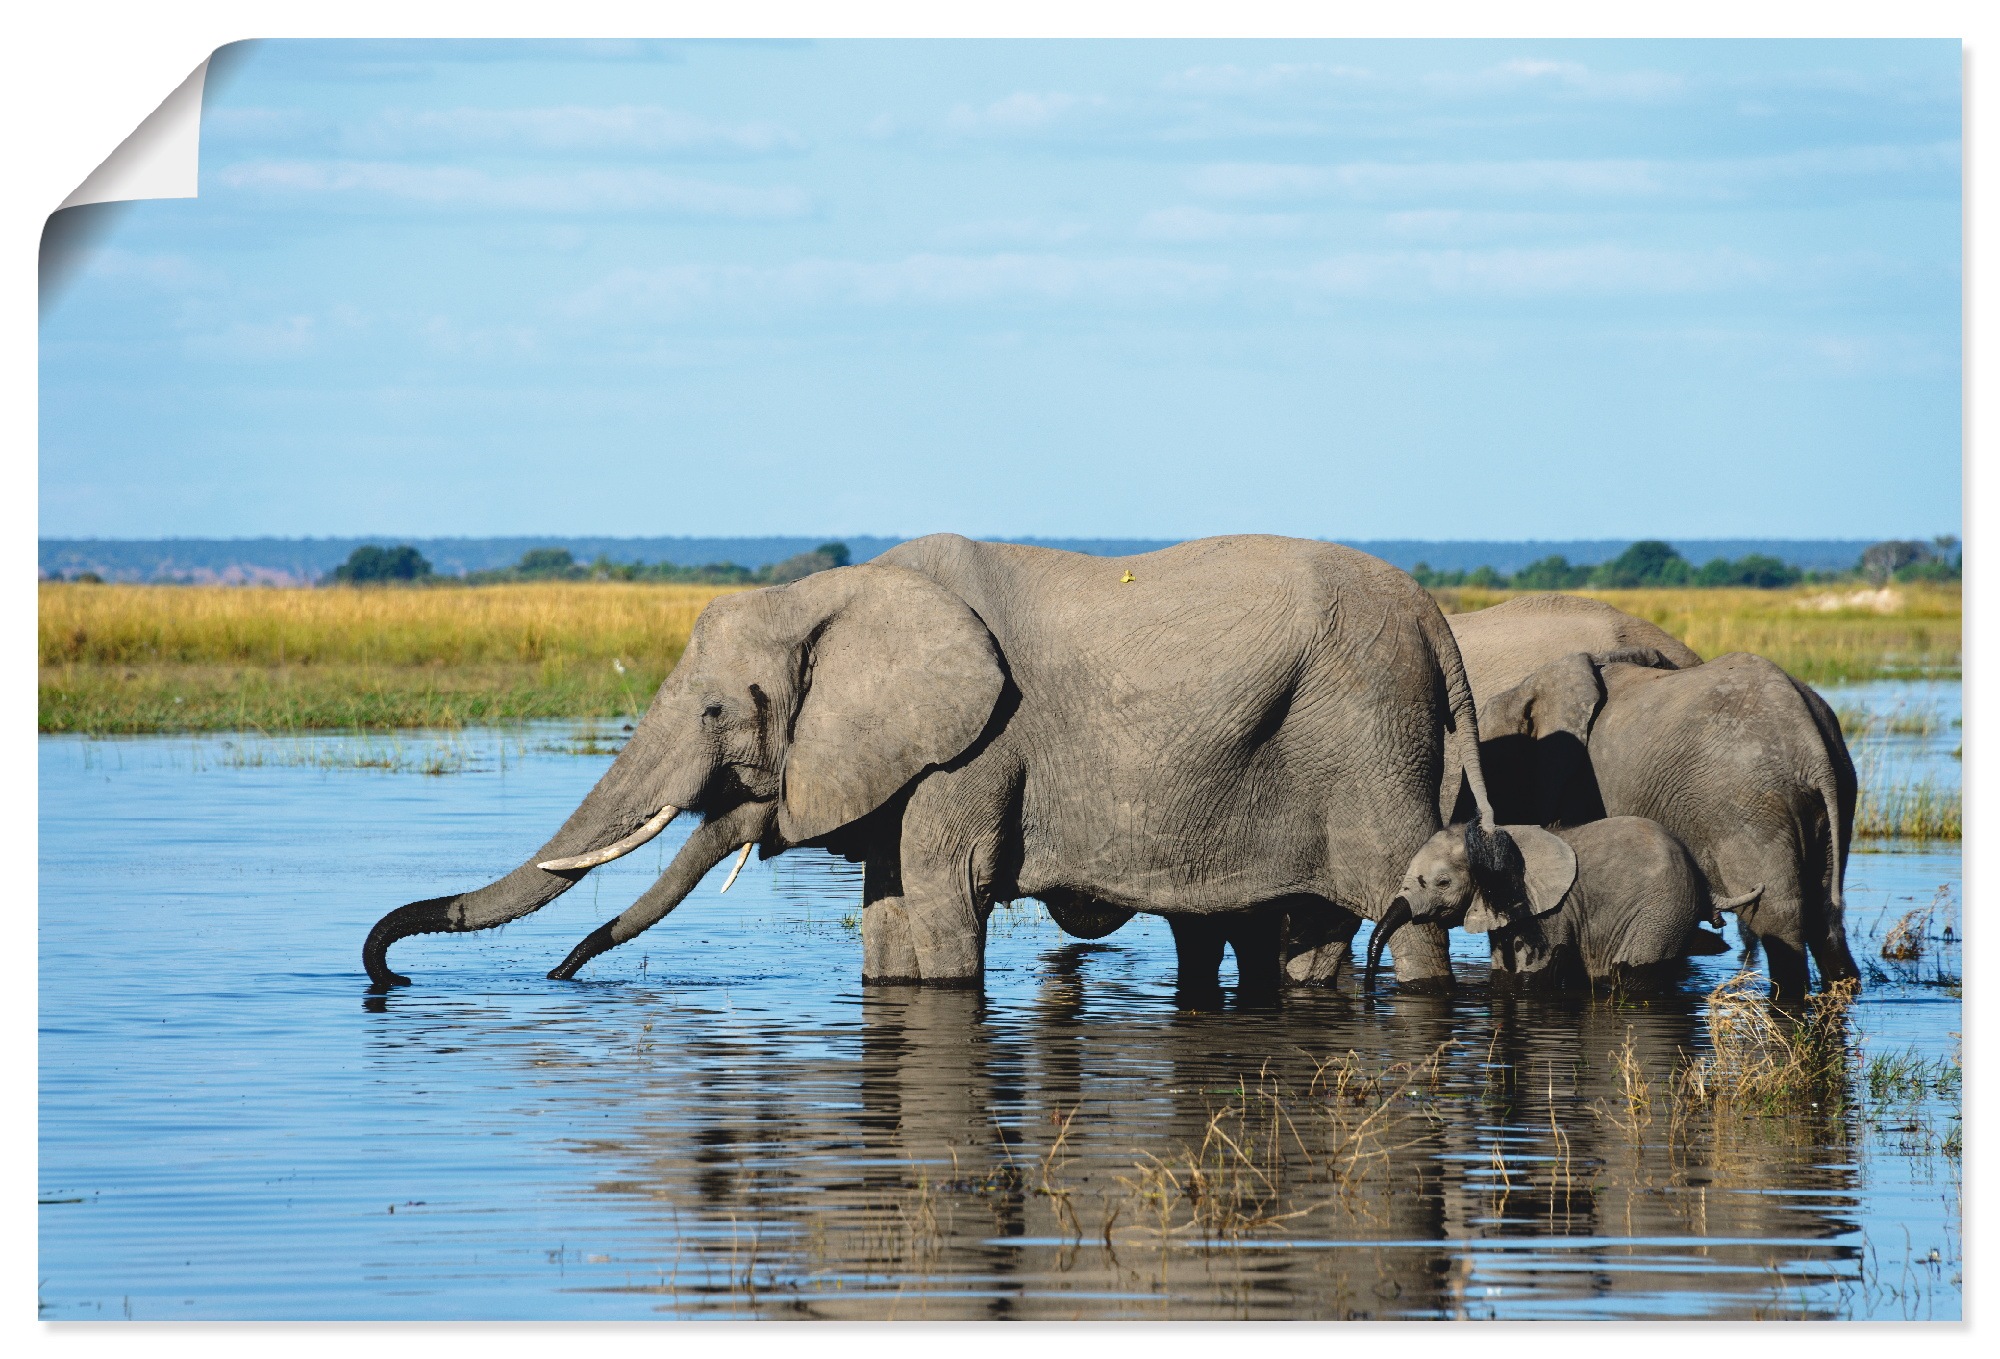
x,y
1742,178
576,127
286,338
1564,77
263,124
569,191
1461,225
1023,111
165,272
1016,231
1589,270
931,280
1206,224
1232,79
1368,181
1310,79
442,335
960,281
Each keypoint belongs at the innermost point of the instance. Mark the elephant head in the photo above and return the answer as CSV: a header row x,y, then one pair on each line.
x,y
1535,737
1482,881
796,710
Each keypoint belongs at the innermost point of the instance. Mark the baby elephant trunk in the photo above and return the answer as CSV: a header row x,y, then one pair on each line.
x,y
1397,916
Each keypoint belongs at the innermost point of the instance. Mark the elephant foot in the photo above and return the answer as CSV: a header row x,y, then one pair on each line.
x,y
1316,941
888,950
1427,986
1322,966
1423,959
970,983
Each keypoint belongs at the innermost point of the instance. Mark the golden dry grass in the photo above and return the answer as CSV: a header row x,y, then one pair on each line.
x,y
134,658
137,658
1824,634
508,624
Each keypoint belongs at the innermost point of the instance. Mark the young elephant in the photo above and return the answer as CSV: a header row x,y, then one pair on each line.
x,y
1606,901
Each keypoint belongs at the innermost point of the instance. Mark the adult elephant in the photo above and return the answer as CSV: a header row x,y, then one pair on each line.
x,y
1503,645
1742,763
1229,724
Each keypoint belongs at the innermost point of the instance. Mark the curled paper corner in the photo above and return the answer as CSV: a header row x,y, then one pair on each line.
x,y
161,159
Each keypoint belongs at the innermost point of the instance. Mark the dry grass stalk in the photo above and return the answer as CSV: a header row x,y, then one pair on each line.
x,y
1635,1092
1905,941
1259,1148
1766,1060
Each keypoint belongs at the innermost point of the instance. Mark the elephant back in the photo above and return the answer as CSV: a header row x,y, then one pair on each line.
x,y
1505,644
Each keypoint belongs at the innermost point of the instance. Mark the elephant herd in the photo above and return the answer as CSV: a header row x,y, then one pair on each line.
x,y
1264,740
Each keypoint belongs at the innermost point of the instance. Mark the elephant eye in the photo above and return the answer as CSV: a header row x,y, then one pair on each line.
x,y
711,712
1444,882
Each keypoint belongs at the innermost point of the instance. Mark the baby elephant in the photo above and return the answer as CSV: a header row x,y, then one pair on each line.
x,y
1605,901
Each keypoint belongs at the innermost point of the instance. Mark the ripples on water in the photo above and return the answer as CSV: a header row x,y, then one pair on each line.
x,y
721,1121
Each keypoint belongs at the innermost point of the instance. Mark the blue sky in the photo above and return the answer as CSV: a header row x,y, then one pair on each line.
x,y
1150,289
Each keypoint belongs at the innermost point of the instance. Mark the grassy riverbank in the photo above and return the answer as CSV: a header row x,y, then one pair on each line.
x,y
134,658
1824,634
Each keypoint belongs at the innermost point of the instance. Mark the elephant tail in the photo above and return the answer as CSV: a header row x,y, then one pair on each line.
x,y
1722,903
1834,779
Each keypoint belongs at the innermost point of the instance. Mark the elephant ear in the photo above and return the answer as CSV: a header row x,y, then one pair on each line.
x,y
1550,867
900,675
1481,918
1563,696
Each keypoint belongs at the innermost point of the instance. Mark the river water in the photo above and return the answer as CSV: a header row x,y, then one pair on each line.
x,y
718,1120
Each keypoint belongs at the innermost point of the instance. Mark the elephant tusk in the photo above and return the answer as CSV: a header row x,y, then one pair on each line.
x,y
741,860
614,851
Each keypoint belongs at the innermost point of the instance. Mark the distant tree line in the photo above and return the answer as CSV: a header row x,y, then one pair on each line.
x,y
1654,563
1647,563
405,565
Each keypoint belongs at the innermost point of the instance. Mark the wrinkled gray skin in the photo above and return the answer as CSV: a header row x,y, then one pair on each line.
x,y
1613,901
1741,763
1249,723
1503,645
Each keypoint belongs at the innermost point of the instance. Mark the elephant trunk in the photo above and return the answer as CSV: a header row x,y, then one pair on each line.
x,y
625,802
708,846
1397,916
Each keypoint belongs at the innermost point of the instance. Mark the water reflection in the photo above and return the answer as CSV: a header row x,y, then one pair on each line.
x,y
942,1156
721,1121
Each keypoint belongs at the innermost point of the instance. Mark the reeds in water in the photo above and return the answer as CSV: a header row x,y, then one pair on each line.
x,y
1924,810
1769,1060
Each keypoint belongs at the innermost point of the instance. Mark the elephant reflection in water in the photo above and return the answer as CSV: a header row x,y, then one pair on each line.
x,y
957,1159
1628,1165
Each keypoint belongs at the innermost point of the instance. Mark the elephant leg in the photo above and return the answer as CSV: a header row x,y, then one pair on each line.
x,y
1826,936
947,931
950,854
1777,921
1785,963
1423,957
1316,941
1198,944
1253,938
888,953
